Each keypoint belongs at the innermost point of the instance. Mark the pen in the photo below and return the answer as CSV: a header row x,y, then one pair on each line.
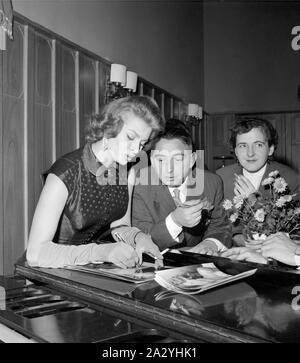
x,y
162,253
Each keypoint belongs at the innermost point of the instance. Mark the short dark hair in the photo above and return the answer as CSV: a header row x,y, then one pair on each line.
x,y
176,129
110,121
246,124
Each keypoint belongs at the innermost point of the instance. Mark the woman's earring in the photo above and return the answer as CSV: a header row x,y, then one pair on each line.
x,y
105,144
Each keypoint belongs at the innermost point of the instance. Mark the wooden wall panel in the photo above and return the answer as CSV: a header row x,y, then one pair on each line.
x,y
65,95
148,90
293,140
104,74
40,129
13,150
217,139
1,169
168,102
86,92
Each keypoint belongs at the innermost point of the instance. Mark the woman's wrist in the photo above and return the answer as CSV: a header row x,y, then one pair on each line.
x,y
127,235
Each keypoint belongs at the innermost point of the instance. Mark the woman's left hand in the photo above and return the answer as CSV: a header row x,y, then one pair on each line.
x,y
144,244
244,254
243,186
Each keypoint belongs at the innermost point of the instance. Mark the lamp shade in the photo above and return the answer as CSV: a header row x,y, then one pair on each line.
x,y
193,110
200,112
118,73
131,80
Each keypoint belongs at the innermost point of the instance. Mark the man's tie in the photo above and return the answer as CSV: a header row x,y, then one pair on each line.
x,y
176,197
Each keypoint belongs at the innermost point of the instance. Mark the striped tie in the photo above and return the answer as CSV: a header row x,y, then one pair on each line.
x,y
176,197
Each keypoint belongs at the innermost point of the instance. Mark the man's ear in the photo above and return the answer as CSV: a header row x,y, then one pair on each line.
x,y
193,158
271,151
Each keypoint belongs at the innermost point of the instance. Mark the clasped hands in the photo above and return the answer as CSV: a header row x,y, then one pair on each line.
x,y
188,214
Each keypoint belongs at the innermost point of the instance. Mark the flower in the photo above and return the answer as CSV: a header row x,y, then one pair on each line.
x,y
233,218
280,185
267,181
227,204
238,201
282,200
274,174
257,236
259,215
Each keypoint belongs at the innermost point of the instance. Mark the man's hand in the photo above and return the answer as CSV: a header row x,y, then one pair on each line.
x,y
239,240
188,214
144,244
244,254
205,248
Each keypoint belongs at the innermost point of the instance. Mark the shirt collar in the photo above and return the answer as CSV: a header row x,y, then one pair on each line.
x,y
91,163
182,188
255,178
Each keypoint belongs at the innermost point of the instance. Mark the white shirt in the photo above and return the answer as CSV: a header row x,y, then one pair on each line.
x,y
174,229
255,178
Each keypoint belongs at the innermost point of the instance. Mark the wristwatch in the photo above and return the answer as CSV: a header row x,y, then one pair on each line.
x,y
297,255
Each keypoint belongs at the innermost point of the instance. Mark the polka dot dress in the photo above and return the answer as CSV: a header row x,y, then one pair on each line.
x,y
95,198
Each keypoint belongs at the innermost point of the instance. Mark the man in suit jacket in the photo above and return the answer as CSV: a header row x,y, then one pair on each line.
x,y
194,217
254,141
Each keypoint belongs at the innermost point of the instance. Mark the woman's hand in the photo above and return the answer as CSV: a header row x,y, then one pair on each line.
x,y
254,245
144,244
243,186
280,247
238,240
244,254
119,253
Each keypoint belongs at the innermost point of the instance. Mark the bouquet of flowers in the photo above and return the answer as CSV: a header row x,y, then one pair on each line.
x,y
263,215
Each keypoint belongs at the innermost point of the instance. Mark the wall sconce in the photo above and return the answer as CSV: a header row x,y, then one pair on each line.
x,y
122,83
194,114
6,22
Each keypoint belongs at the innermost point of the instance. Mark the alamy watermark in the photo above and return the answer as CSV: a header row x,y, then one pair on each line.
x,y
153,174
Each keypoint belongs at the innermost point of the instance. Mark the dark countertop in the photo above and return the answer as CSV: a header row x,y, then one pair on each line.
x,y
262,308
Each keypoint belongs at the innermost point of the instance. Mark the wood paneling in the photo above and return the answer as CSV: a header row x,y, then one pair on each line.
x,y
65,119
293,140
217,139
104,73
40,128
86,92
13,151
1,169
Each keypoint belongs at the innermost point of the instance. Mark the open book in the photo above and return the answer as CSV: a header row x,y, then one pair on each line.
x,y
194,279
146,272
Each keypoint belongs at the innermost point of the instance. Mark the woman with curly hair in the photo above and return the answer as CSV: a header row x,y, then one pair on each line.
x,y
87,195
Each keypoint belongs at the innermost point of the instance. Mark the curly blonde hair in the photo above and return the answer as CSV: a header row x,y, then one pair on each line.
x,y
109,121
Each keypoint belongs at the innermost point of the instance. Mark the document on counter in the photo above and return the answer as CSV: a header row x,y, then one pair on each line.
x,y
195,279
143,273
